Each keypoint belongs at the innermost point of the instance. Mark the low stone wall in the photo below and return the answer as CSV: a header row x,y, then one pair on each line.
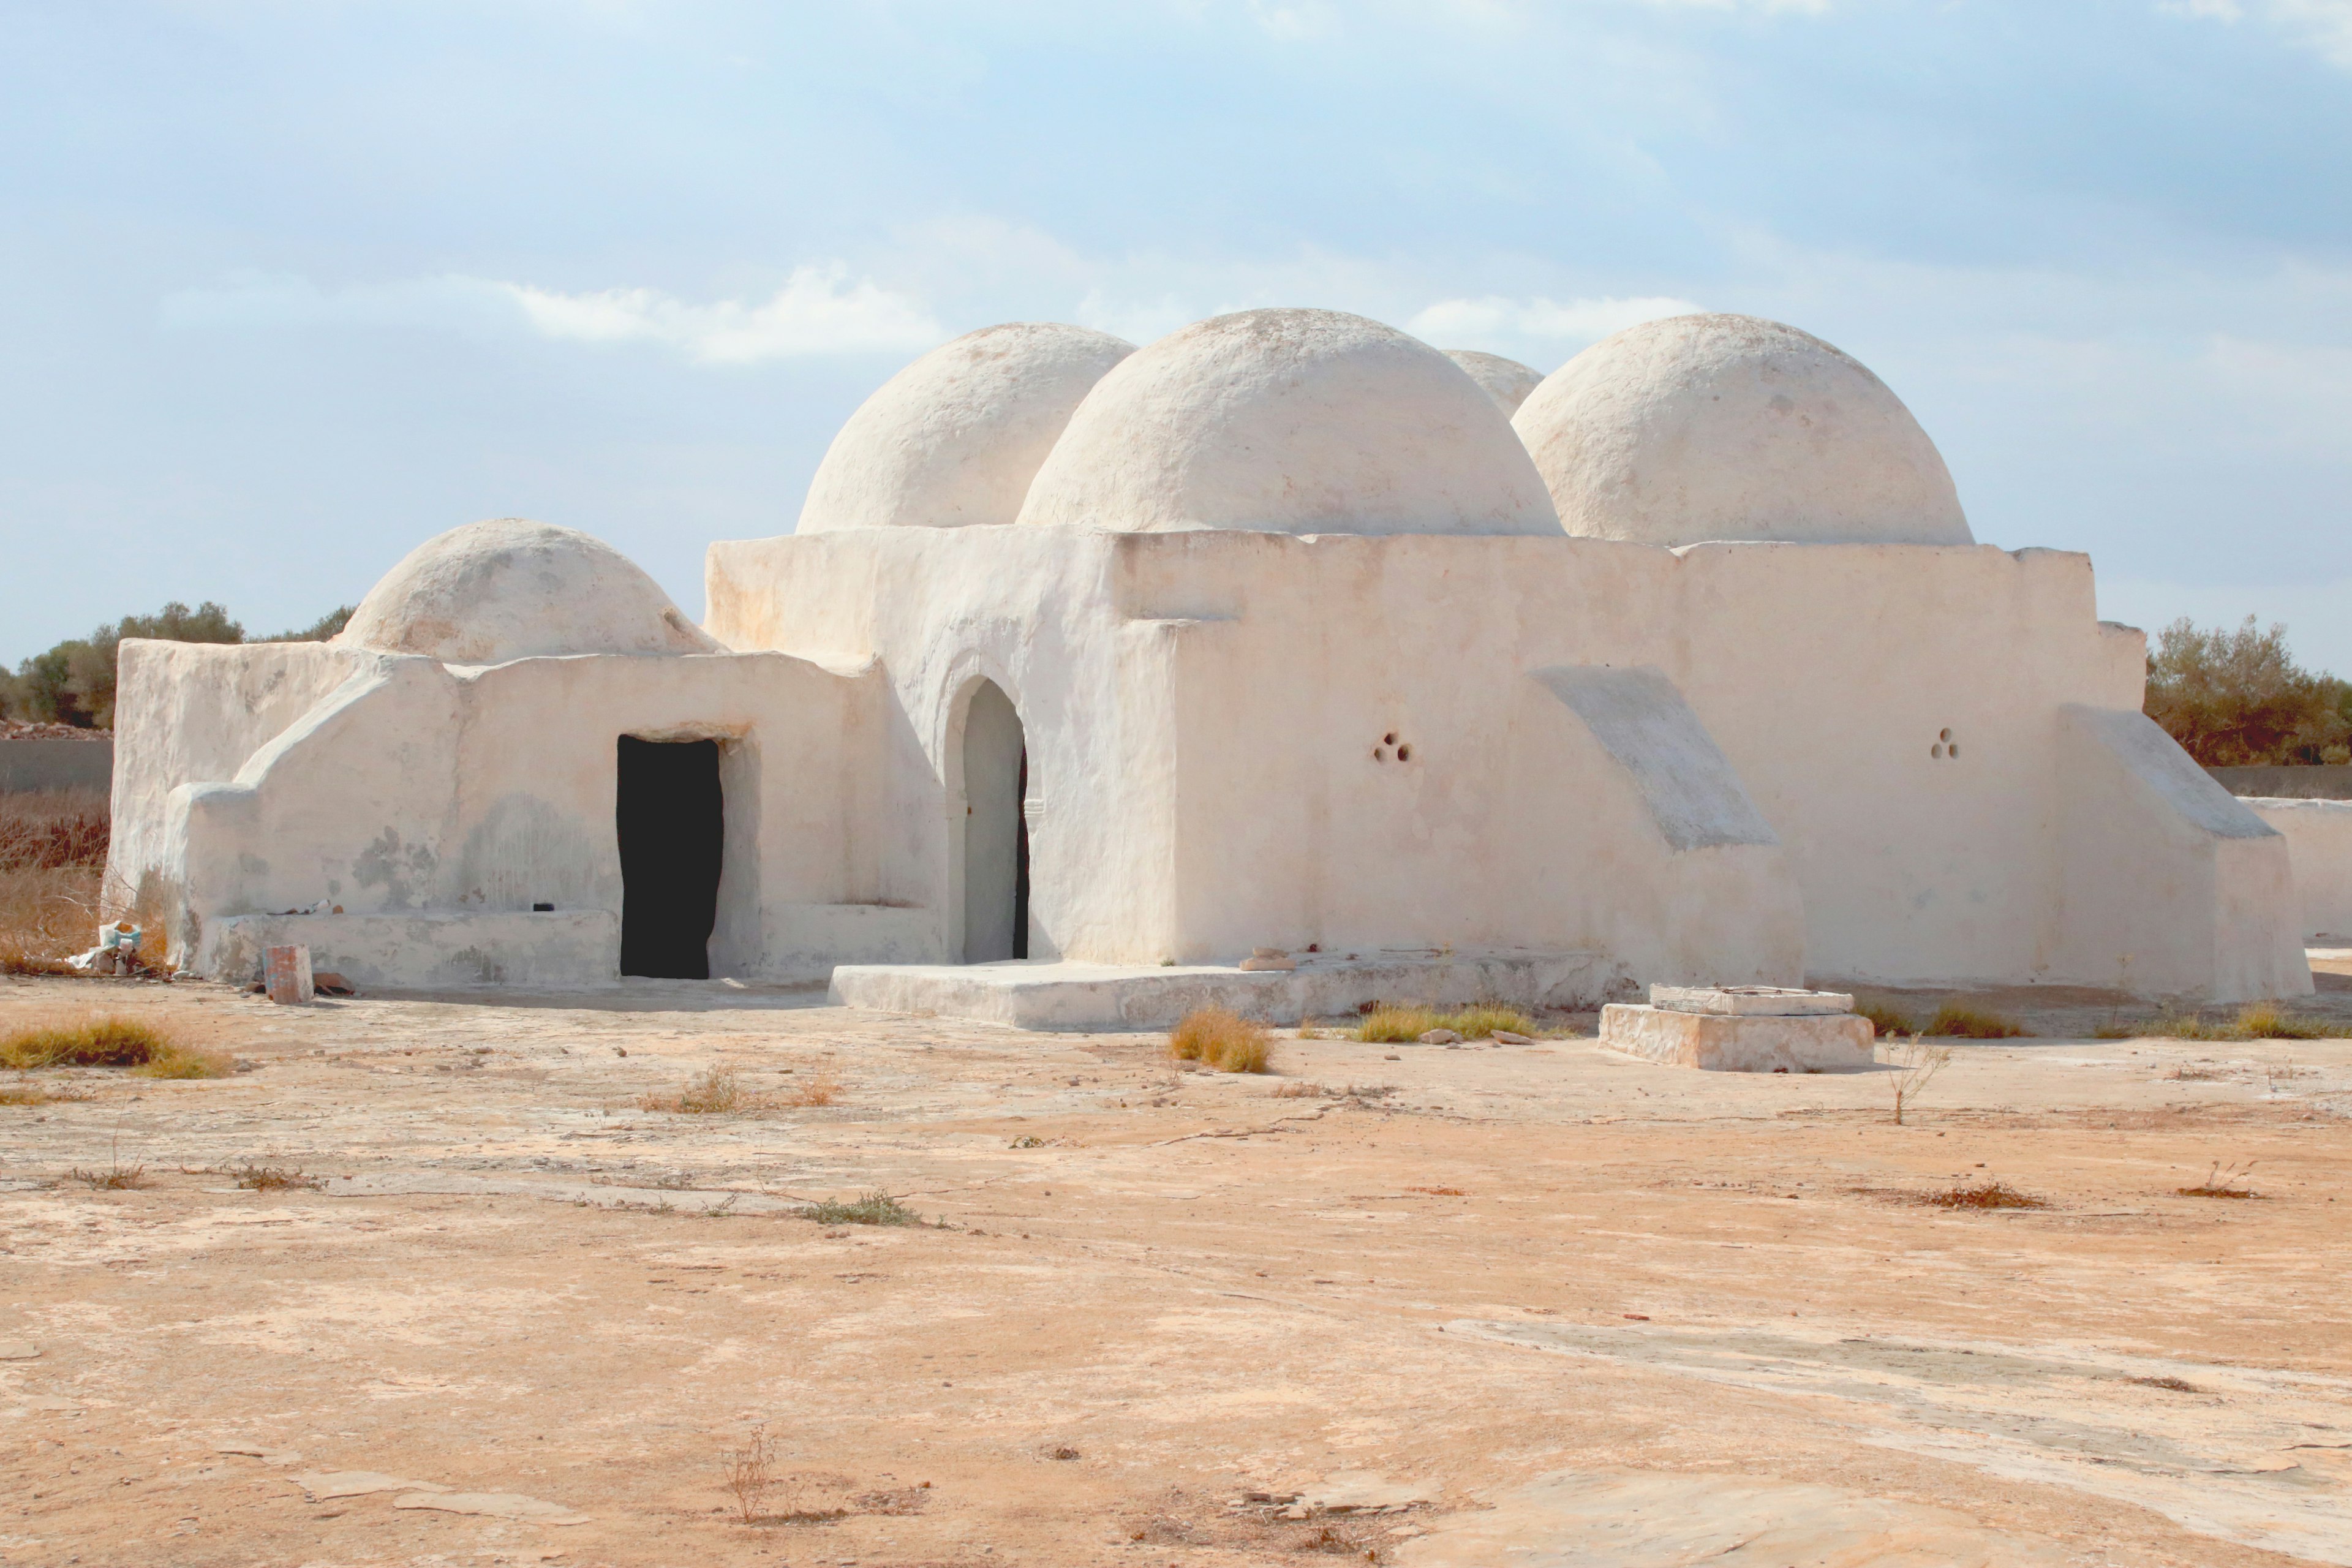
x,y
2319,844
1076,995
424,951
29,765
2326,783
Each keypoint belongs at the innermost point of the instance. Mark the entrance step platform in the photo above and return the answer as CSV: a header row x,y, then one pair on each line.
x,y
1044,993
1742,1028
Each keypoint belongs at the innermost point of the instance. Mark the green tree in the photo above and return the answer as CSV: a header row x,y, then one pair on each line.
x,y
73,683
320,630
2237,698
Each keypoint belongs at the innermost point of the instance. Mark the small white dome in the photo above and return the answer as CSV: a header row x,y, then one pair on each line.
x,y
1701,427
955,437
1506,381
1291,422
511,588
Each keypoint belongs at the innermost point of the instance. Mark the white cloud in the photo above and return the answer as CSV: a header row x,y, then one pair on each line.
x,y
1295,22
1803,7
818,310
2324,26
1459,324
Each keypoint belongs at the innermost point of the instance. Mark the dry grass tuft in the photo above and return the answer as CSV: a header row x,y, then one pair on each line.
x,y
749,1475
2255,1021
51,829
1221,1040
1387,1025
96,1042
1916,1066
1390,1025
1299,1091
2270,1021
1886,1019
721,1091
53,847
47,914
275,1179
1954,1021
107,1042
115,1178
1988,1195
1483,1022
821,1089
2223,1181
184,1061
717,1092
31,1091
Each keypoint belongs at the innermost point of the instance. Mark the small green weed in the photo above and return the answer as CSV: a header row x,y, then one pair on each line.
x,y
2255,1021
1954,1021
1886,1019
874,1208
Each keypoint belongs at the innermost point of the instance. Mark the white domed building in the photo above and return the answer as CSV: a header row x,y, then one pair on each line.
x,y
1714,427
1090,672
1506,381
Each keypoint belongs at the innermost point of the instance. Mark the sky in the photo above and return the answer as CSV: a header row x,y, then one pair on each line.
x,y
287,287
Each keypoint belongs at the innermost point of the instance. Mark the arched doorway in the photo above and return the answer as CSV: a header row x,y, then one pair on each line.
x,y
996,832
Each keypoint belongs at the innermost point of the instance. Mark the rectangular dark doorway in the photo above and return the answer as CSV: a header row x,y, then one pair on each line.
x,y
671,817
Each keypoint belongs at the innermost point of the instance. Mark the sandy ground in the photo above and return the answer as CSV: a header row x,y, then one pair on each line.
x,y
1536,1305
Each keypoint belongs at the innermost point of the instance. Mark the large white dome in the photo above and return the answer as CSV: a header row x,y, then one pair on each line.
x,y
1506,381
1715,426
1290,421
954,438
510,588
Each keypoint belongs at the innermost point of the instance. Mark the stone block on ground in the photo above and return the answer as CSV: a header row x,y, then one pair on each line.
x,y
1750,1001
1720,1042
285,971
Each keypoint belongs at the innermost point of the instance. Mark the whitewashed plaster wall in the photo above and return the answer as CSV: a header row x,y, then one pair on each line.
x,y
2318,836
1204,709
193,711
2165,874
1037,612
415,788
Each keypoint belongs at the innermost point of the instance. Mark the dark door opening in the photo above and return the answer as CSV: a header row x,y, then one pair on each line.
x,y
996,830
671,817
1021,863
